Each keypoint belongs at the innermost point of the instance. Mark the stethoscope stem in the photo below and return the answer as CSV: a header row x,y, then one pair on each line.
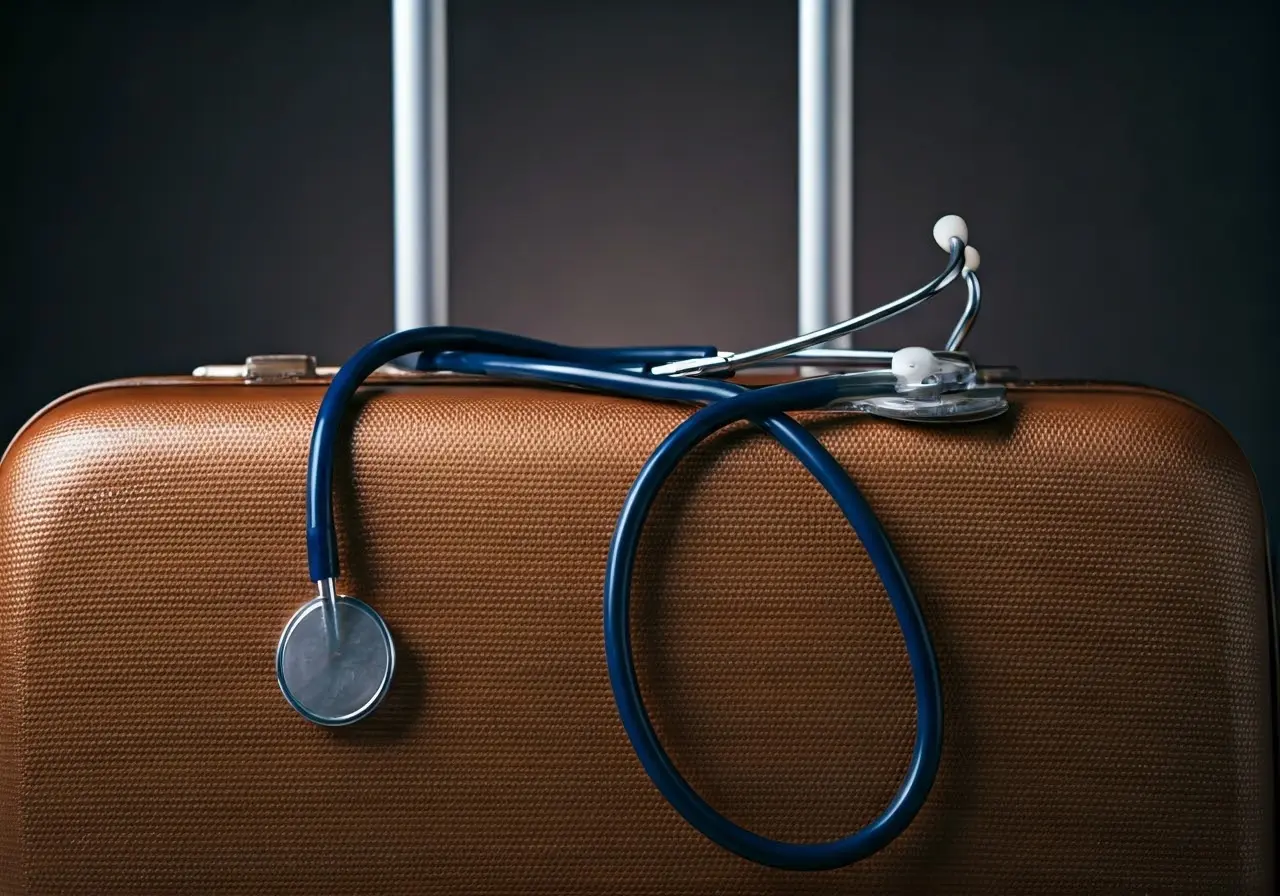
x,y
329,608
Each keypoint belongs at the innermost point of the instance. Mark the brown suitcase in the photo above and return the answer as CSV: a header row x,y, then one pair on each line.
x,y
1092,566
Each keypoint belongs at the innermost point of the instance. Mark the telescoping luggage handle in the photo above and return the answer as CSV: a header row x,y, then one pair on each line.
x,y
825,188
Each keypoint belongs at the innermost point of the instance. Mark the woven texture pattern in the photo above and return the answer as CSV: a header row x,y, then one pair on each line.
x,y
1092,568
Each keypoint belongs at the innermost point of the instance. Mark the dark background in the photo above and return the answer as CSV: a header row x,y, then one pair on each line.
x,y
191,183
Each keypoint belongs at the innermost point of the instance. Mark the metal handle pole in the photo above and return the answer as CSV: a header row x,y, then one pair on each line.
x,y
826,165
419,53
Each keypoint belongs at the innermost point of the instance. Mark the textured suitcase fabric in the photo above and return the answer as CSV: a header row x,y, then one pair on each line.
x,y
1092,567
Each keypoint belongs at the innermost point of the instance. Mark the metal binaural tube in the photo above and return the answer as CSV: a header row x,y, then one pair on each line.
x,y
972,305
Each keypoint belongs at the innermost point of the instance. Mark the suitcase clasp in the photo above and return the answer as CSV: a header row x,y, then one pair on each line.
x,y
262,368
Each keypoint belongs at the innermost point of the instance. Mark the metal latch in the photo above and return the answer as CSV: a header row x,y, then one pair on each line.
x,y
262,368
282,368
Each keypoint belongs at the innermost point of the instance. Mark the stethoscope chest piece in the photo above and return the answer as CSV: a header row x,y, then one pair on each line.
x,y
966,407
335,660
933,388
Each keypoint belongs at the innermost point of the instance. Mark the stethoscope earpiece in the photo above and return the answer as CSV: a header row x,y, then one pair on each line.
x,y
950,227
914,365
335,659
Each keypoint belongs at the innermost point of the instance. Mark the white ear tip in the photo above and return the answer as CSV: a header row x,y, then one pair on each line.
x,y
914,364
971,258
947,227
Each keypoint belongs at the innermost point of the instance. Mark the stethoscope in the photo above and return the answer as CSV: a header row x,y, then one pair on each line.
x,y
336,657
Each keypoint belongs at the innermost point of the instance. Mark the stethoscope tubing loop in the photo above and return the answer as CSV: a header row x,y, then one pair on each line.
x,y
764,406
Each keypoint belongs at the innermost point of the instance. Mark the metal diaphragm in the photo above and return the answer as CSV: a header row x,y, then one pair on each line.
x,y
337,677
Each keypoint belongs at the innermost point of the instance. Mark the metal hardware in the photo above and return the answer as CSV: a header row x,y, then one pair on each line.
x,y
722,364
335,659
826,165
282,368
260,368
267,367
967,406
420,119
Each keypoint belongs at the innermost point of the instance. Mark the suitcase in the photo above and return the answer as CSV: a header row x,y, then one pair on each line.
x,y
1092,566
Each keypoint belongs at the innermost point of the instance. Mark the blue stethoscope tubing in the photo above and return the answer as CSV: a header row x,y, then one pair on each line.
x,y
622,372
322,544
